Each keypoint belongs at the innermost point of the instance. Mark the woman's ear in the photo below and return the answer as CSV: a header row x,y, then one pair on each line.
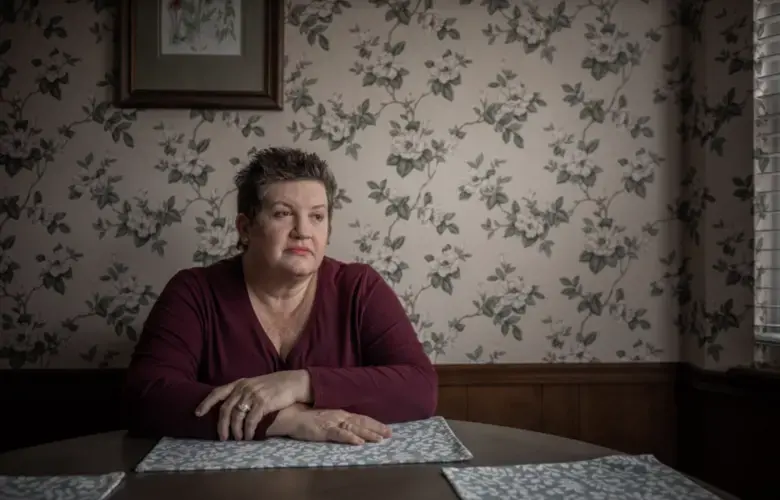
x,y
243,224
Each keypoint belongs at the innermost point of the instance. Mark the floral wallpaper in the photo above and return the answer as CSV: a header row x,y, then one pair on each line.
x,y
553,181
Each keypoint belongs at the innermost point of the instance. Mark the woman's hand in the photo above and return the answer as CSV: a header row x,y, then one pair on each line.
x,y
330,425
247,401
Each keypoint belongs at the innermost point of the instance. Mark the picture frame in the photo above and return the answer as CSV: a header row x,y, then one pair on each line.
x,y
199,54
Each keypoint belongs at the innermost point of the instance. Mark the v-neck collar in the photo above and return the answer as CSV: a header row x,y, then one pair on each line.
x,y
257,327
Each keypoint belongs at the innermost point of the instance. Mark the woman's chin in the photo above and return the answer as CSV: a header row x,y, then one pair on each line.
x,y
299,265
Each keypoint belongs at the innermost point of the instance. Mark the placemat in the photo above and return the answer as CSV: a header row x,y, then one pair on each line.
x,y
421,441
94,487
615,477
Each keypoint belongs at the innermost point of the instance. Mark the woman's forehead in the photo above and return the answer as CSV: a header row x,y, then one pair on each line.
x,y
297,194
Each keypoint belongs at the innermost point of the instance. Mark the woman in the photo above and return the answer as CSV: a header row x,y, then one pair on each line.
x,y
280,340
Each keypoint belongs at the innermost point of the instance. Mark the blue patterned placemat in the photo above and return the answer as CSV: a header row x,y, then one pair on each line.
x,y
96,487
421,441
614,477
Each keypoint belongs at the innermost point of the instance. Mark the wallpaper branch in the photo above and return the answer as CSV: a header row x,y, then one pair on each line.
x,y
540,181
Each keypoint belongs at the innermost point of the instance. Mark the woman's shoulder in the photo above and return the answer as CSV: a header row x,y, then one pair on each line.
x,y
203,277
349,276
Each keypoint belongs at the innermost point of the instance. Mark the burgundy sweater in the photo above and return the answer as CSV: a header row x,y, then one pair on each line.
x,y
359,348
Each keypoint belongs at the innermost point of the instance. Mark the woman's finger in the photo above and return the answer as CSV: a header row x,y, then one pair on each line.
x,y
341,435
372,425
226,414
362,432
214,397
238,418
252,419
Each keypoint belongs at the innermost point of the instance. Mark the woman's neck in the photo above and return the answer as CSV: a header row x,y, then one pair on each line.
x,y
279,291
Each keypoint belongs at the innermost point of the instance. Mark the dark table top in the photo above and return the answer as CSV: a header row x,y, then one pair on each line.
x,y
112,452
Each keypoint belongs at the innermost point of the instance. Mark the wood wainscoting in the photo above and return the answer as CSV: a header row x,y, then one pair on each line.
x,y
626,407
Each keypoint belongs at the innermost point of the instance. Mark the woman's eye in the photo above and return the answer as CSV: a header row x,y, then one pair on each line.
x,y
281,214
318,217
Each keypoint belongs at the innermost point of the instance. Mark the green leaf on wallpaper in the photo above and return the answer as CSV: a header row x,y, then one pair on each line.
x,y
8,242
736,65
131,333
59,286
174,176
159,247
714,351
397,243
653,34
595,263
494,6
446,285
400,12
200,146
403,210
204,114
592,146
716,145
90,354
53,29
562,177
733,277
598,70
324,42
447,92
396,49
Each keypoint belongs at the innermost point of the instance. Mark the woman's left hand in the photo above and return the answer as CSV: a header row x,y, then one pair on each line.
x,y
246,401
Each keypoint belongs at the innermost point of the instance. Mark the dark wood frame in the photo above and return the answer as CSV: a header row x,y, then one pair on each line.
x,y
269,98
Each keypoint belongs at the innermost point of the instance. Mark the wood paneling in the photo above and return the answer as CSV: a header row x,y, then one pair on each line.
x,y
628,407
719,427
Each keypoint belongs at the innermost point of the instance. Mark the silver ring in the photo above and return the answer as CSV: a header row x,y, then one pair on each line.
x,y
244,407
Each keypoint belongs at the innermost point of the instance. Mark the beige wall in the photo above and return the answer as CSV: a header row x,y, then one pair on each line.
x,y
532,196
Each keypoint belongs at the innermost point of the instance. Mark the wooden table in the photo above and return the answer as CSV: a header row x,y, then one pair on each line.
x,y
111,452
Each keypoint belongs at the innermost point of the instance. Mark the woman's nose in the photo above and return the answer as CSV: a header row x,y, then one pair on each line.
x,y
302,228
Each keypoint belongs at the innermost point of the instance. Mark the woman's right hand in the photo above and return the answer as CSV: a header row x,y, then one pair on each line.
x,y
332,425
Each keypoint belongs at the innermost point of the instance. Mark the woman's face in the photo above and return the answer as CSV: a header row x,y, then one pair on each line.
x,y
291,231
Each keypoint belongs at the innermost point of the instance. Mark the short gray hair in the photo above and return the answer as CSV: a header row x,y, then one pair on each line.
x,y
272,165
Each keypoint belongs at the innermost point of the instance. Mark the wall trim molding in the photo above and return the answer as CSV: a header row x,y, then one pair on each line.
x,y
556,373
18,382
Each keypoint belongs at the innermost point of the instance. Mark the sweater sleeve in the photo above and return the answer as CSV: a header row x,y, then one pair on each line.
x,y
397,381
162,389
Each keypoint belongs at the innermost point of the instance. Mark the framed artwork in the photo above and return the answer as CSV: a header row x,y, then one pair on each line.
x,y
212,54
